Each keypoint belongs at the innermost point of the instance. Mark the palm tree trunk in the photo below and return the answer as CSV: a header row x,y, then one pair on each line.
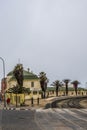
x,y
24,98
16,99
76,90
44,94
56,93
66,89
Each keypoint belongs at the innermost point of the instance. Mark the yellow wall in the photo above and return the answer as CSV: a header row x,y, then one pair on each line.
x,y
20,98
70,93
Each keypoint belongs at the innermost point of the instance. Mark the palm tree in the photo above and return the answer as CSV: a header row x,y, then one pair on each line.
x,y
75,84
57,84
43,83
18,74
16,90
66,81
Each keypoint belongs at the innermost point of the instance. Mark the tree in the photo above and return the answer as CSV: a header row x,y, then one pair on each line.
x,y
18,74
57,84
16,90
66,81
43,83
75,84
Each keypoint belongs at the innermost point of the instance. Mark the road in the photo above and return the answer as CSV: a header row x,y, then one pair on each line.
x,y
19,120
44,119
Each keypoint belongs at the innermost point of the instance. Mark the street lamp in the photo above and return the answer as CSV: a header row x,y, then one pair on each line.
x,y
3,78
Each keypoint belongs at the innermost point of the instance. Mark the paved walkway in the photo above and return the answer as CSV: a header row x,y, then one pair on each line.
x,y
47,103
42,103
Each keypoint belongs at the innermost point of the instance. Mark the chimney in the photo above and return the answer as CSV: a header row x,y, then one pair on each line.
x,y
28,69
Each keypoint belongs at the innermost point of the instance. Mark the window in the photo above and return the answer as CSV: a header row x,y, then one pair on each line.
x,y
32,84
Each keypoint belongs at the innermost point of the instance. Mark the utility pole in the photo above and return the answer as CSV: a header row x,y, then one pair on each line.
x,y
3,79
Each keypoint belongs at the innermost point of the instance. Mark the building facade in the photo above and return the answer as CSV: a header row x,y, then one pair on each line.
x,y
30,81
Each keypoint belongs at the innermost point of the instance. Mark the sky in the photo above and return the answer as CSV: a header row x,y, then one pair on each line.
x,y
45,35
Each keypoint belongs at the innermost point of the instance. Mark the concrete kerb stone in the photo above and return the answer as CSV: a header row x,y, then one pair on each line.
x,y
8,108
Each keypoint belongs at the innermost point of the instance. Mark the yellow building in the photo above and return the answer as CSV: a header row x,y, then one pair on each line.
x,y
30,81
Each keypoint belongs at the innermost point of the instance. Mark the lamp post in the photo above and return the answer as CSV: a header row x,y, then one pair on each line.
x,y
3,78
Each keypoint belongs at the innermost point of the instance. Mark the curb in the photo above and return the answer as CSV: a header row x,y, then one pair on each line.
x,y
7,108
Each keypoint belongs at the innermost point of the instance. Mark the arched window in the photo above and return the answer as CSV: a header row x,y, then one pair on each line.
x,y
32,84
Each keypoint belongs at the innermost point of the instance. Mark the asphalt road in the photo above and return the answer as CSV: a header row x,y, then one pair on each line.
x,y
48,119
19,120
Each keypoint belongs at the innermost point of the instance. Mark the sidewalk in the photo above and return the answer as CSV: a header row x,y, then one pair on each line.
x,y
43,103
28,105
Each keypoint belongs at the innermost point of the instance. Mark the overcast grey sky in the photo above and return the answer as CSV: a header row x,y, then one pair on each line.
x,y
46,35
